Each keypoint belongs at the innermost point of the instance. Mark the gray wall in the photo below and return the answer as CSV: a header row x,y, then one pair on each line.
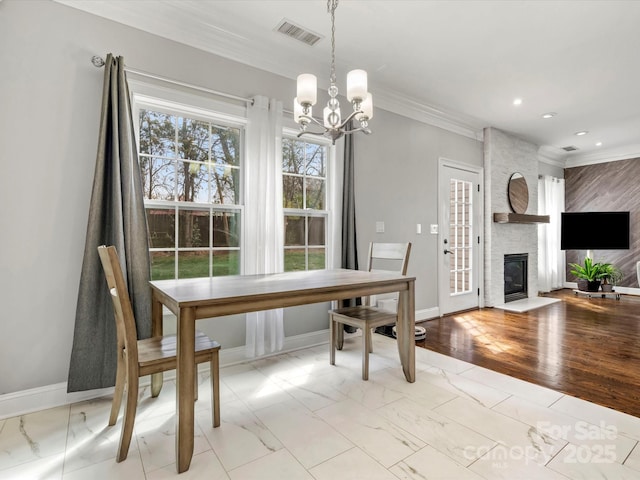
x,y
49,122
397,183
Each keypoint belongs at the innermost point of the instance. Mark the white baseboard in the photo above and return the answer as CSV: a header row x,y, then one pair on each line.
x,y
427,314
55,395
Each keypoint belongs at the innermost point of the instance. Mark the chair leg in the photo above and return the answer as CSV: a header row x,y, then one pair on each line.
x,y
121,378
371,331
130,406
340,335
195,384
332,340
366,348
215,388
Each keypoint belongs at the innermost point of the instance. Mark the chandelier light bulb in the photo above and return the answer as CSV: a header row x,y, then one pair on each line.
x,y
307,89
367,108
356,85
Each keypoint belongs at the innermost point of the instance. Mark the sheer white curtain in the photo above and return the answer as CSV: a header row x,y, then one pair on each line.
x,y
551,260
264,223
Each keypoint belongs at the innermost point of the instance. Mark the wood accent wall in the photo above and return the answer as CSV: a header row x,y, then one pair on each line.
x,y
611,186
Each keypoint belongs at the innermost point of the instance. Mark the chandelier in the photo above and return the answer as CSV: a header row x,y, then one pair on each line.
x,y
333,126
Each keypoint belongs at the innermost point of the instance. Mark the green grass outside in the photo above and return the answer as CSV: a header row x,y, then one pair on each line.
x,y
196,264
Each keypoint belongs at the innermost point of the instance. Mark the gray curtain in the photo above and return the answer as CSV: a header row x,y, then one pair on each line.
x,y
349,241
116,217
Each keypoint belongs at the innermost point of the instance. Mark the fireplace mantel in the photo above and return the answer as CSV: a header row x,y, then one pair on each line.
x,y
519,218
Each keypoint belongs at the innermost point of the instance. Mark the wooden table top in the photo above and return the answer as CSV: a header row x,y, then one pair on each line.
x,y
236,292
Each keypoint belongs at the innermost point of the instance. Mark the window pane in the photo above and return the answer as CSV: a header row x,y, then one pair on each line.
x,y
226,229
292,156
317,259
225,143
294,229
193,139
292,192
315,160
158,178
225,185
193,264
226,262
315,194
193,228
294,259
192,182
157,133
316,230
162,265
162,223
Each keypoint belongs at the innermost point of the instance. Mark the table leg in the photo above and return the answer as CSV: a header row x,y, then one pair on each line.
x,y
156,331
405,329
185,376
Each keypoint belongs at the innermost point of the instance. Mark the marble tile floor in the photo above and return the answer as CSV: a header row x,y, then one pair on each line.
x,y
293,416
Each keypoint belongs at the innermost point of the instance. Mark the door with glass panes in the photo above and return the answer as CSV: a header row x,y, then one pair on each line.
x,y
459,221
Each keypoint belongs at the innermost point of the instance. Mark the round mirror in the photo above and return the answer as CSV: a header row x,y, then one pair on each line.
x,y
518,193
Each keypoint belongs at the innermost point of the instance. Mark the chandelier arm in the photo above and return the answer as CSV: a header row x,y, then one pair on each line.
x,y
312,119
353,114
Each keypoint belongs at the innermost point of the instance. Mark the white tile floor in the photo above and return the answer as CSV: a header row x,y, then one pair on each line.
x,y
296,417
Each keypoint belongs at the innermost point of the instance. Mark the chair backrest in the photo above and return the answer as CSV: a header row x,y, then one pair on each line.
x,y
125,321
392,254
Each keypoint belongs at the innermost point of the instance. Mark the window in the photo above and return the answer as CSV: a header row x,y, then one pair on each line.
x,y
304,192
191,168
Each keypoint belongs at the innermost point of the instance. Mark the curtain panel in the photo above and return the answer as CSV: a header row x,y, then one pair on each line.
x,y
116,217
264,217
551,260
349,240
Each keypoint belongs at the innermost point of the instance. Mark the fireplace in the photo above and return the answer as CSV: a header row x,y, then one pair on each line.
x,y
515,276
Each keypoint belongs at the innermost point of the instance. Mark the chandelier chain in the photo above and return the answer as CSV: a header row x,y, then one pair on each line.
x,y
331,8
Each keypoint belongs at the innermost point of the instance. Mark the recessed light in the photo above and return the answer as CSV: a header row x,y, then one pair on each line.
x,y
599,144
583,132
549,115
517,101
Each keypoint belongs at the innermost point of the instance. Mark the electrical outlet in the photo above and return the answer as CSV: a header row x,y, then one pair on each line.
x,y
433,229
379,227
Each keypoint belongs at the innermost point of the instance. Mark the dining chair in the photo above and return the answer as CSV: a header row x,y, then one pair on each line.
x,y
137,358
367,317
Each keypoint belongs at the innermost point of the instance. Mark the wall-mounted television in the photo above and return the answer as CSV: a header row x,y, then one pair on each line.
x,y
594,231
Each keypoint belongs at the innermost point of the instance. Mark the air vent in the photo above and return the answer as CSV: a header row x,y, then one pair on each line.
x,y
570,148
298,33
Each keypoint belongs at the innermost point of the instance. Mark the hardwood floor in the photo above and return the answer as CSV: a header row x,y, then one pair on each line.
x,y
584,347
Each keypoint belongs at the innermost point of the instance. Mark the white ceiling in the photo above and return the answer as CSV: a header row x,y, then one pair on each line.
x,y
460,63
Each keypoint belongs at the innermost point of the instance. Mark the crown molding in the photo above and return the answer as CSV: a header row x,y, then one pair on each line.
x,y
438,117
627,152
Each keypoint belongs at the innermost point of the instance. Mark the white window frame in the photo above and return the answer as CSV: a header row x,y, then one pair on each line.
x,y
174,102
327,212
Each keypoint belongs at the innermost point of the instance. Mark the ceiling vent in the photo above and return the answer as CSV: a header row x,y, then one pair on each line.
x,y
298,33
570,148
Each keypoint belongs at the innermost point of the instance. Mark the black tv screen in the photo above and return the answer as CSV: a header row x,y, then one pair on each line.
x,y
594,231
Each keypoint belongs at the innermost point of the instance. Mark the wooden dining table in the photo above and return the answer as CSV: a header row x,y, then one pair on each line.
x,y
197,298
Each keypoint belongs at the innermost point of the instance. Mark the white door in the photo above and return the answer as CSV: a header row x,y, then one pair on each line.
x,y
460,227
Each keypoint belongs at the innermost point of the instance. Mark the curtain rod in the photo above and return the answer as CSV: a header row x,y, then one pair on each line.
x,y
99,62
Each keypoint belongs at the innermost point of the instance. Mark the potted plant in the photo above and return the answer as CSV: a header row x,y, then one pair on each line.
x,y
610,276
588,275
